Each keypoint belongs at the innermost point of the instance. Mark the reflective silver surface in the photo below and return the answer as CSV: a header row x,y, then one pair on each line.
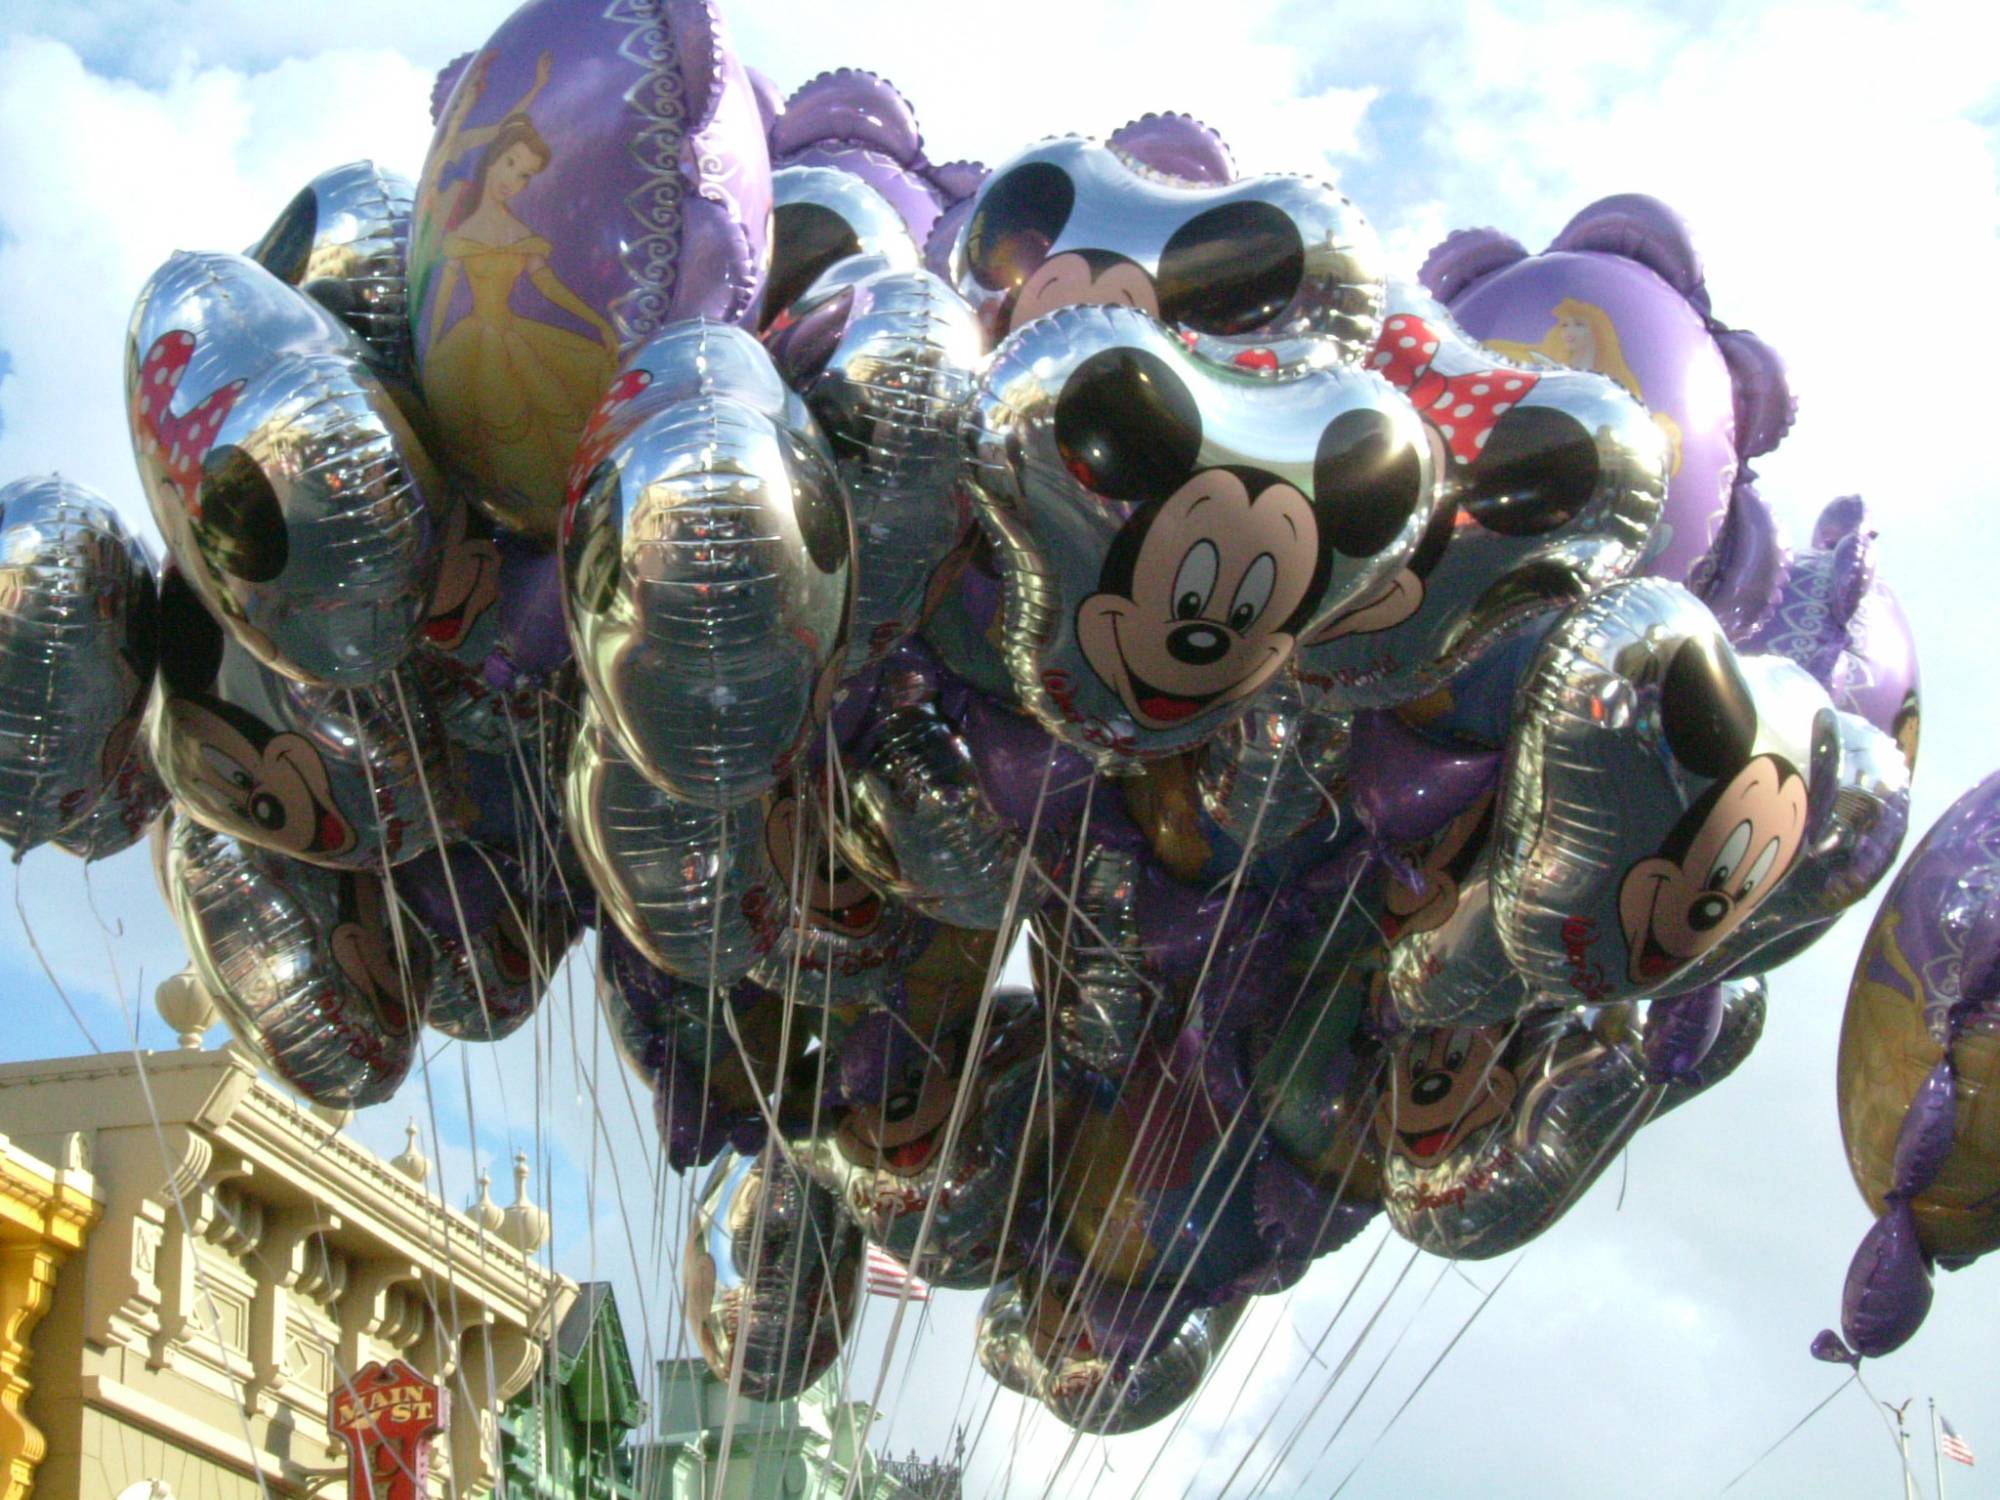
x,y
889,400
1257,260
1491,1140
821,215
772,1272
1169,529
1658,791
119,817
344,777
706,566
301,962
285,479
343,241
691,887
1275,769
918,824
1560,504
77,640
1104,992
1457,973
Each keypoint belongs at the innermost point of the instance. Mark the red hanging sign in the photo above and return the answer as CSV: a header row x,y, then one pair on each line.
x,y
388,1415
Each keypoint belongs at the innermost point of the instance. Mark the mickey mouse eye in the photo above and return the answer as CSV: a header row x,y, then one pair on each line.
x,y
1195,581
227,770
1730,860
1253,593
1454,1058
1761,871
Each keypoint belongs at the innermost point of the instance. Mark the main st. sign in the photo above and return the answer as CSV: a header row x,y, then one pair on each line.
x,y
387,1414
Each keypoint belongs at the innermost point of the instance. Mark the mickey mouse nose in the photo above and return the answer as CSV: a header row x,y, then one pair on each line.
x,y
1708,910
1198,644
1430,1088
899,1107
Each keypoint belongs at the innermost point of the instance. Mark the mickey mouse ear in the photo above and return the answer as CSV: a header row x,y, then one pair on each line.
x,y
1126,426
1706,711
1015,221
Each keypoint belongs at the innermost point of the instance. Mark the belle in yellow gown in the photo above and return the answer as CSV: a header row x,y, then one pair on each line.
x,y
511,395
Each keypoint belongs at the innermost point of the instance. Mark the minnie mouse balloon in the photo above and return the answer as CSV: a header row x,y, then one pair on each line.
x,y
598,175
284,477
343,241
1549,484
1658,792
345,777
706,565
1248,263
1621,291
77,638
303,963
1171,528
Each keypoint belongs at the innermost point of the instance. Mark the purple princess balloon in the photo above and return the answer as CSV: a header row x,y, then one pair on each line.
x,y
598,173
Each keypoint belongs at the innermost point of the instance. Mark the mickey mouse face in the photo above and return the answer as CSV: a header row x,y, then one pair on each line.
x,y
364,954
1445,1085
1198,523
1443,870
900,1131
1734,843
1071,223
835,898
468,583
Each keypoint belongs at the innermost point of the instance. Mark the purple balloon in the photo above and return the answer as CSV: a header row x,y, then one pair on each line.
x,y
1176,145
1020,767
851,106
1680,1029
1888,1286
1405,786
1620,291
598,173
1741,578
1925,1139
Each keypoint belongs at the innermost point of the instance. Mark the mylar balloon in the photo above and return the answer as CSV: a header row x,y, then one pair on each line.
x,y
1621,292
770,1268
1549,484
706,566
1491,1134
343,241
1171,528
494,946
284,477
821,216
119,817
303,963
346,777
889,397
1264,259
597,175
77,639
1659,790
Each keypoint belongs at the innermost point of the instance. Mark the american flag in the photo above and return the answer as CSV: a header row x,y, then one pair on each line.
x,y
1950,1444
889,1277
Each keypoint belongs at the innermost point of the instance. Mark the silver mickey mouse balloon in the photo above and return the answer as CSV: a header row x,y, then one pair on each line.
x,y
1169,529
345,777
899,1082
303,963
1032,1339
1455,972
820,216
889,396
692,888
1276,769
286,480
343,241
1491,1134
1245,263
706,565
77,638
1105,993
1550,484
772,1272
1658,792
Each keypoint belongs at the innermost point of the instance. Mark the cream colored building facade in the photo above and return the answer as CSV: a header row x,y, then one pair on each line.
x,y
247,1256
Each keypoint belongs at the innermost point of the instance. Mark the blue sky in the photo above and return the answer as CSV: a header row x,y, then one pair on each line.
x,y
1837,162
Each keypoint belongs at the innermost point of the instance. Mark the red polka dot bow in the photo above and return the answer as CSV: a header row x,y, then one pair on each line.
x,y
178,444
1463,408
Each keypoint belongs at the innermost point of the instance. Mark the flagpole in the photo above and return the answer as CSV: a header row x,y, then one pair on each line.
x,y
1937,1457
1903,1447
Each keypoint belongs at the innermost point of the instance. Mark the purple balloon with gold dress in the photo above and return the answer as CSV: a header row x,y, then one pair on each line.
x,y
598,173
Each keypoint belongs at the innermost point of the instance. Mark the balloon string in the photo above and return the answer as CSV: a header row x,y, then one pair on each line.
x,y
1417,1390
1820,1406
